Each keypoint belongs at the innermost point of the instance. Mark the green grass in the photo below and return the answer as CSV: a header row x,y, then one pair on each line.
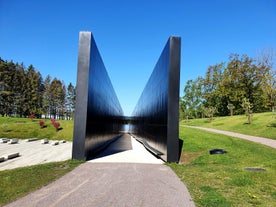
x,y
263,124
18,182
221,180
24,128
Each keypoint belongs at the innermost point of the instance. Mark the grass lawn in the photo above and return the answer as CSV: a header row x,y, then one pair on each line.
x,y
18,182
221,180
212,180
24,128
263,124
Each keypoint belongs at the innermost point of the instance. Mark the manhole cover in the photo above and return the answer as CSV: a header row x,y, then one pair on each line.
x,y
254,169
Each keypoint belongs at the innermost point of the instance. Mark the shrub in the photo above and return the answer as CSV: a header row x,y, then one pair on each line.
x,y
32,116
56,125
41,123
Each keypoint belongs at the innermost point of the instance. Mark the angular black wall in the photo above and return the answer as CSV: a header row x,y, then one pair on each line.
x,y
99,117
98,112
155,117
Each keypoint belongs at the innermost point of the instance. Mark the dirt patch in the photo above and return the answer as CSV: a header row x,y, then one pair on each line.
x,y
188,157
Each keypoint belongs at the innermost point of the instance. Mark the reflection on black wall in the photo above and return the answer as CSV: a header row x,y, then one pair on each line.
x,y
156,113
98,112
104,110
99,117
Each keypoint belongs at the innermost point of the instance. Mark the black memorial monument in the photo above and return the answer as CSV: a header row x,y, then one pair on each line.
x,y
99,117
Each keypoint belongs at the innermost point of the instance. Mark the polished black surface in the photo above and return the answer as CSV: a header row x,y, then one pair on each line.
x,y
98,111
155,117
99,118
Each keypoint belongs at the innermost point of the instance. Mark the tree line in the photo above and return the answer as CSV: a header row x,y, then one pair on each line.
x,y
241,85
24,92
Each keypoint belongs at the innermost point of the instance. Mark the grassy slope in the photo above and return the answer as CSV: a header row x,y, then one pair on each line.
x,y
25,128
263,125
18,182
220,180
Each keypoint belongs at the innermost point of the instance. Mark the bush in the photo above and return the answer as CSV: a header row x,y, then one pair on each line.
x,y
41,123
32,116
56,125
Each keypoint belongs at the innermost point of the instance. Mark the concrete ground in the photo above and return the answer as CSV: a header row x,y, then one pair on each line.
x,y
33,153
112,184
126,150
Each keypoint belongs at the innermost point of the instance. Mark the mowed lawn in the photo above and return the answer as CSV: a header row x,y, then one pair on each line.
x,y
263,124
24,128
212,180
222,180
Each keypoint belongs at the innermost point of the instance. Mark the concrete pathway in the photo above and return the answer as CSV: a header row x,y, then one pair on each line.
x,y
112,184
33,153
260,140
126,150
125,174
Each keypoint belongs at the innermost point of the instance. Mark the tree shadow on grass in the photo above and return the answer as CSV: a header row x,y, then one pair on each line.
x,y
272,125
7,130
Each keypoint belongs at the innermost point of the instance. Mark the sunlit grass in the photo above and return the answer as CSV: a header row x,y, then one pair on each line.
x,y
25,128
221,180
263,124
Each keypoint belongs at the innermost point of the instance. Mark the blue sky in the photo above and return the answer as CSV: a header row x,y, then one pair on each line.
x,y
131,34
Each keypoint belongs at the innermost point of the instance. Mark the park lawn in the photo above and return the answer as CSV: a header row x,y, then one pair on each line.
x,y
16,183
263,124
25,128
221,180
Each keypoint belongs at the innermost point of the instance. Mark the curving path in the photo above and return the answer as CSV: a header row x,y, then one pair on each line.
x,y
260,140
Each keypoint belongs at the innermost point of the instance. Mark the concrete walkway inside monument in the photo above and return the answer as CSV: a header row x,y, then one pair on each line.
x,y
126,150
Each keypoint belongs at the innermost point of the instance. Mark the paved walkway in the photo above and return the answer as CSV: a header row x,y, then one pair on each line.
x,y
33,153
260,140
126,174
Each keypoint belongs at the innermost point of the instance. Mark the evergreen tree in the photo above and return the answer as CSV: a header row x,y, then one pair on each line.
x,y
70,100
47,97
58,94
23,92
33,93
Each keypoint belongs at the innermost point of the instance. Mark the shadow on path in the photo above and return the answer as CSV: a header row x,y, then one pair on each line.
x,y
121,144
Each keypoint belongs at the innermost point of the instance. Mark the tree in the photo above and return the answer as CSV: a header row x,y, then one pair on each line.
x,y
243,78
19,90
225,85
265,62
247,107
33,93
5,89
192,98
58,94
23,92
47,96
213,91
231,108
209,112
70,100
